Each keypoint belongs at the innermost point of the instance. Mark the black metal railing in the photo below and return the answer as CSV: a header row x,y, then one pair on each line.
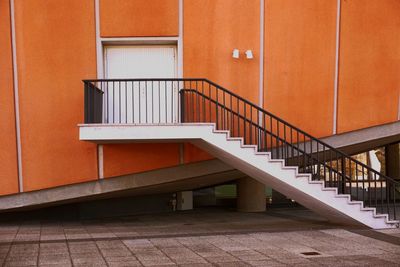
x,y
157,101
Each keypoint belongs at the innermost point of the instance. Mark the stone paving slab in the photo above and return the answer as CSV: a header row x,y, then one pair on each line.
x,y
196,238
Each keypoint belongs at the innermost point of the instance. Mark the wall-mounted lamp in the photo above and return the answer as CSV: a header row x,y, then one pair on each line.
x,y
249,54
235,53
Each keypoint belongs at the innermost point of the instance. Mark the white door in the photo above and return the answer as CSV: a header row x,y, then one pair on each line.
x,y
140,101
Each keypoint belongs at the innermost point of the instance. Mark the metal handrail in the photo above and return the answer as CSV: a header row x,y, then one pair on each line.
x,y
174,100
294,127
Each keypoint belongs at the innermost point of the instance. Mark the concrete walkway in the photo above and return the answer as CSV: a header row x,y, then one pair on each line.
x,y
208,237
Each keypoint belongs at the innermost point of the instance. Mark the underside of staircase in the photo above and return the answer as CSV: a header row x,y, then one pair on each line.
x,y
259,165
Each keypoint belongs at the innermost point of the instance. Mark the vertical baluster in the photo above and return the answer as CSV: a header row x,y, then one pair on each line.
x,y
291,144
298,149
324,161
146,102
107,119
140,101
394,201
151,86
277,140
363,183
166,100
350,180
387,195
244,123
126,103
251,124
265,134
311,158
133,101
114,102
337,172
210,103
216,105
284,144
197,101
382,201
343,166
304,153
358,188
159,101
376,201
330,168
172,101
238,116
204,102
318,163
232,119
222,110
369,187
272,136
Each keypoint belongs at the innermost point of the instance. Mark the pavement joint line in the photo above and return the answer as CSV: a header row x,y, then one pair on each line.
x,y
101,253
10,246
166,236
133,254
165,254
69,254
38,254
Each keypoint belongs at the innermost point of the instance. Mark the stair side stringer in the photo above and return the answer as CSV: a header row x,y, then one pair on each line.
x,y
332,190
285,179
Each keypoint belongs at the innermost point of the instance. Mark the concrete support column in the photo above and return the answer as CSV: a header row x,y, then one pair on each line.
x,y
250,195
184,200
392,159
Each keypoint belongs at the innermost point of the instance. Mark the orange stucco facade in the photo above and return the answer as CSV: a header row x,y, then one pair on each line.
x,y
56,49
300,62
369,80
8,152
126,18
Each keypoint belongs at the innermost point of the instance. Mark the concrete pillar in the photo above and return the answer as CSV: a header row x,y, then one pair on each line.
x,y
392,160
184,200
250,195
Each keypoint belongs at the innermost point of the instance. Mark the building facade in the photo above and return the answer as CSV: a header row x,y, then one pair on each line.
x,y
328,67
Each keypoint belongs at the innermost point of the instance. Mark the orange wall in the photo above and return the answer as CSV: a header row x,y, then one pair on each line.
x,y
8,152
133,18
212,29
300,61
369,76
55,50
133,158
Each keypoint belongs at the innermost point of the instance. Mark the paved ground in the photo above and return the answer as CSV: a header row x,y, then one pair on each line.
x,y
198,238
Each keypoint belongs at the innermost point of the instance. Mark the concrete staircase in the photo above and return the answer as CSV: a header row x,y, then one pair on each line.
x,y
259,165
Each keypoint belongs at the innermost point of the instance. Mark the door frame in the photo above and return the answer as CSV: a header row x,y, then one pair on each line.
x,y
141,41
173,45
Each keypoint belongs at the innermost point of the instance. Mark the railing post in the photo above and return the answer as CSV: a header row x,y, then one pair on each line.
x,y
86,103
93,103
343,185
182,97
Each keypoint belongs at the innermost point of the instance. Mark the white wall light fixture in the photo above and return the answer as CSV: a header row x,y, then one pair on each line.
x,y
249,54
235,53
